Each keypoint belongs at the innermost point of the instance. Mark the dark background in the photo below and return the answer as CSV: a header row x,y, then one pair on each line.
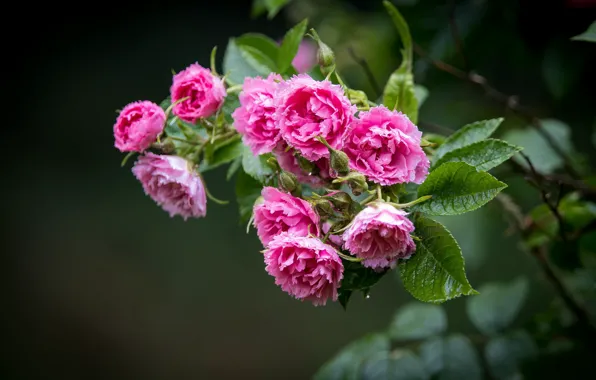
x,y
102,284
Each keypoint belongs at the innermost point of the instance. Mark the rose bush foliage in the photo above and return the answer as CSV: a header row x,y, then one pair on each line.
x,y
339,181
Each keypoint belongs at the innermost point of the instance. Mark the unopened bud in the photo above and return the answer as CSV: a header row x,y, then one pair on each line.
x,y
325,56
273,164
288,181
339,161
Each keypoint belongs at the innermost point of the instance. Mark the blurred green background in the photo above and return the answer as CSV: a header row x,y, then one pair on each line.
x,y
102,284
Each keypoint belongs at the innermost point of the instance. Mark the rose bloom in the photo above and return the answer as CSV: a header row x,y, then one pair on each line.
x,y
171,183
205,93
280,212
380,234
254,119
304,267
138,125
384,145
288,162
307,109
306,56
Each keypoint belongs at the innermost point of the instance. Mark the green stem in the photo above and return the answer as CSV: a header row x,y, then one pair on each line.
x,y
218,201
125,159
342,229
169,109
324,142
349,258
234,89
410,204
341,82
327,234
367,199
183,140
212,60
252,218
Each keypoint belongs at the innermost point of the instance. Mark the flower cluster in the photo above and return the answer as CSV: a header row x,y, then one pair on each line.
x,y
316,137
171,181
309,126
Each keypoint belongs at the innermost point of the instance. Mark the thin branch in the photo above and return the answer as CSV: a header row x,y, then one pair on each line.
x,y
369,74
435,128
455,33
581,315
540,254
510,101
554,210
563,181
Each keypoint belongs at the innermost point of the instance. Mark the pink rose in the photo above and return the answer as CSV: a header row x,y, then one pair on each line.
x,y
280,212
254,119
138,125
170,182
288,162
304,267
385,146
306,57
380,234
308,109
204,90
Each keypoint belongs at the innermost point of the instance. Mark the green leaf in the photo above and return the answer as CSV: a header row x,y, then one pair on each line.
x,y
456,188
483,155
247,192
497,305
233,168
504,354
231,102
399,93
460,359
435,272
289,46
451,358
356,278
248,56
543,157
223,153
431,353
418,321
256,166
421,93
404,32
399,364
467,135
258,8
274,6
261,42
344,366
589,35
